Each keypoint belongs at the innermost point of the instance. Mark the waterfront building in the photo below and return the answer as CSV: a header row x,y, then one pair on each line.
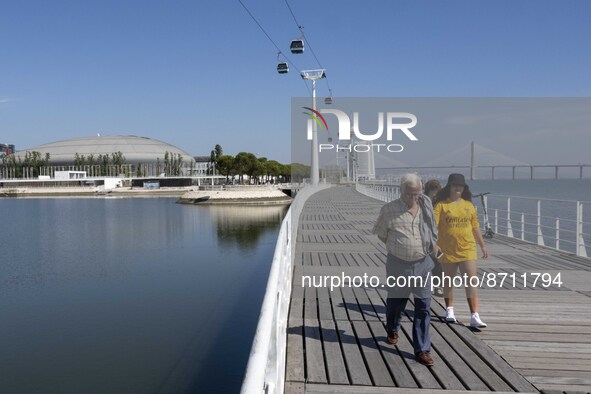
x,y
111,156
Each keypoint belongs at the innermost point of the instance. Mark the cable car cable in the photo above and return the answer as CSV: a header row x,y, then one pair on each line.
x,y
300,27
273,42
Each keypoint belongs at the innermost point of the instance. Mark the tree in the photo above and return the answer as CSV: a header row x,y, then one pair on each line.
x,y
244,164
214,156
272,168
299,171
79,160
226,165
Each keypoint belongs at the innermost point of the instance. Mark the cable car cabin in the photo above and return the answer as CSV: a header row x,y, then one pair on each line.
x,y
328,100
282,68
297,46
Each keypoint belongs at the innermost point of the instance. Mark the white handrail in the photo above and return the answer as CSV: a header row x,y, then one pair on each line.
x,y
560,229
265,371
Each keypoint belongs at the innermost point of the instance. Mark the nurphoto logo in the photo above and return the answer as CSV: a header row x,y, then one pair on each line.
x,y
391,124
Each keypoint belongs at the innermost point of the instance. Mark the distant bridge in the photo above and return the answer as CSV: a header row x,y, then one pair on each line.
x,y
493,169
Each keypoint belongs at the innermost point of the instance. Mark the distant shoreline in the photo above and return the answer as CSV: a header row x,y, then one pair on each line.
x,y
185,195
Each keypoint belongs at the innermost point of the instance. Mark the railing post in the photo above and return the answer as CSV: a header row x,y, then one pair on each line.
x,y
522,226
581,251
540,236
557,233
496,221
509,229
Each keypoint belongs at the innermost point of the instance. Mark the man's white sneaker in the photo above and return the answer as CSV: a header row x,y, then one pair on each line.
x,y
449,315
476,322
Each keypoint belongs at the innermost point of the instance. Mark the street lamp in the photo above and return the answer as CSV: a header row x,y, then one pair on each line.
x,y
314,75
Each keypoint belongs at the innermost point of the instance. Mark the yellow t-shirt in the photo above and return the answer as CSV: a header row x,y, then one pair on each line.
x,y
455,221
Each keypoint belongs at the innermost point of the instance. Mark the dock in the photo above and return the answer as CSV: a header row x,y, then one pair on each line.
x,y
537,339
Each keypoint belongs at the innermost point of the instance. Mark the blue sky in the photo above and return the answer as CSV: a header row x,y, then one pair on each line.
x,y
197,73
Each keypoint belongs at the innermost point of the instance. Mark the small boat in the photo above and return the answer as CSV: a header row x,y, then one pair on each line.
x,y
200,199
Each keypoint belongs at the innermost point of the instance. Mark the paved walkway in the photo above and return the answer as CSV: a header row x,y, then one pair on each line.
x,y
537,339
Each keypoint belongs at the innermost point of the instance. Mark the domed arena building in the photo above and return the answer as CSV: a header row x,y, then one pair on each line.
x,y
135,150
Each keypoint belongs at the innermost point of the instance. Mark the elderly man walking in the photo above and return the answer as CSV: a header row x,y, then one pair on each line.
x,y
407,227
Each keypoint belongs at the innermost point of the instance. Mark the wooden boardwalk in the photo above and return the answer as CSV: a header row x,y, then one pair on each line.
x,y
537,339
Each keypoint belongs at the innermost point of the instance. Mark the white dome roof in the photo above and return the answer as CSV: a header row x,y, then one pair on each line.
x,y
135,149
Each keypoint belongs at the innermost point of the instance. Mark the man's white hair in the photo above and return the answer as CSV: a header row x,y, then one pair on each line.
x,y
409,179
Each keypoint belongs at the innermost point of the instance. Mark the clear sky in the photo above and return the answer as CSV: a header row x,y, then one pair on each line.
x,y
198,73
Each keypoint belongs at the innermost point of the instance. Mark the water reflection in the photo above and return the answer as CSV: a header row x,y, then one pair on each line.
x,y
243,226
130,295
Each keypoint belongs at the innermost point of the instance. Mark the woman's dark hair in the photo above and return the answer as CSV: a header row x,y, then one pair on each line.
x,y
445,193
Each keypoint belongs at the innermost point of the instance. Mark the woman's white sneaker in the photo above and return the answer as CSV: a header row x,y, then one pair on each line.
x,y
476,322
449,315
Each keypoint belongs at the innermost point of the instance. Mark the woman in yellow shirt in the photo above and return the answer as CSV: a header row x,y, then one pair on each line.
x,y
459,231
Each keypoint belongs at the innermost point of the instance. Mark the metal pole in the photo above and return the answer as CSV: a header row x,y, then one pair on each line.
x,y
509,229
558,233
540,236
472,162
314,169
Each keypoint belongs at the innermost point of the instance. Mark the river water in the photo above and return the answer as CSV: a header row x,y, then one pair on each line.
x,y
130,295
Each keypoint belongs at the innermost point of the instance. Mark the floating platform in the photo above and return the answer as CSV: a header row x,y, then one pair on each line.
x,y
249,196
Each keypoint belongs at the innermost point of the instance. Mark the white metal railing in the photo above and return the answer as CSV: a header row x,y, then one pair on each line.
x,y
265,372
384,193
558,224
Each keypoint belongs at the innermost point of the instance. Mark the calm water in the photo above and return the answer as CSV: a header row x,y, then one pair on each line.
x,y
560,196
130,295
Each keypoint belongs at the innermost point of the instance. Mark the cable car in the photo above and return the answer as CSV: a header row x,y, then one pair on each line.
x,y
282,68
328,100
297,46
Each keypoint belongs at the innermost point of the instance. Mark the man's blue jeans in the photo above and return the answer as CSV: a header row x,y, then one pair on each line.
x,y
398,297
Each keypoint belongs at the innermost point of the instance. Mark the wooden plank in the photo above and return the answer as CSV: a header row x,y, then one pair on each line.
x,y
335,364
307,258
296,306
355,364
351,304
538,337
352,262
340,389
294,365
315,260
332,259
324,305
364,304
484,372
323,259
444,375
562,388
310,303
512,377
392,357
421,373
377,368
338,305
455,362
294,388
377,303
315,370
341,260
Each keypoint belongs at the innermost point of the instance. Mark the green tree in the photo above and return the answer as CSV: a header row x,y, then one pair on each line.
x,y
272,169
226,165
244,164
79,159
